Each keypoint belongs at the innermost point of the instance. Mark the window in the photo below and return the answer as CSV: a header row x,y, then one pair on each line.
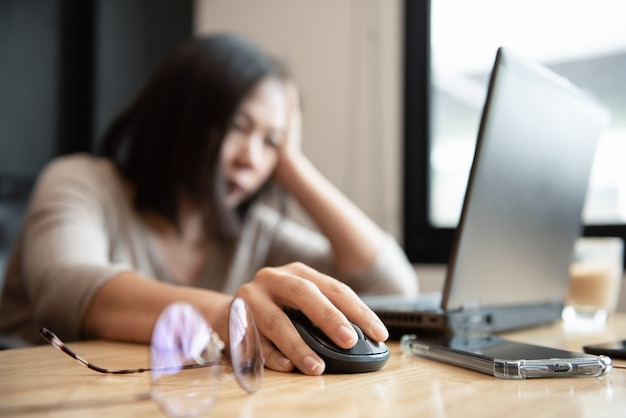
x,y
450,47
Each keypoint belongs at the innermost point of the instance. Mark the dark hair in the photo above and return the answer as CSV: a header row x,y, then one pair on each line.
x,y
167,143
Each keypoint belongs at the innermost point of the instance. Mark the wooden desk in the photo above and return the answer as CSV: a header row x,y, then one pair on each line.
x,y
42,381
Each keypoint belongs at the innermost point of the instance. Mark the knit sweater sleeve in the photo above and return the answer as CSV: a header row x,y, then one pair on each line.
x,y
65,244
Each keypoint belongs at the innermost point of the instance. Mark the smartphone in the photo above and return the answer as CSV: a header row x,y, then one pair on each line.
x,y
506,359
615,349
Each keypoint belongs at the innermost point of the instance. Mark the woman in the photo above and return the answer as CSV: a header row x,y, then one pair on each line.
x,y
171,212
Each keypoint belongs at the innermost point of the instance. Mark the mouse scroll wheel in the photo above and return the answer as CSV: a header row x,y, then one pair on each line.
x,y
359,333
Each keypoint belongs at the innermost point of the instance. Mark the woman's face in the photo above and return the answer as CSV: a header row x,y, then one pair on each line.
x,y
250,149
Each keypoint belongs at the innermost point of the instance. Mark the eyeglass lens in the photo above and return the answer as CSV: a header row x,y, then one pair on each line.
x,y
185,358
181,339
245,347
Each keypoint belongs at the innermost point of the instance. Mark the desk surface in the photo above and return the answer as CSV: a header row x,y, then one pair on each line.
x,y
42,381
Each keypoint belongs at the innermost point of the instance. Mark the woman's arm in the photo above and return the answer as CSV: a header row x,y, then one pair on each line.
x,y
353,236
126,308
355,239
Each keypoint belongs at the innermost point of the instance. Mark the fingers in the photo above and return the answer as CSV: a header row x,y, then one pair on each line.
x,y
294,117
293,94
327,302
355,310
274,358
284,341
336,302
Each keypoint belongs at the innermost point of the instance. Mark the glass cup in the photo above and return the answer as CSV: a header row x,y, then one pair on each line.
x,y
595,279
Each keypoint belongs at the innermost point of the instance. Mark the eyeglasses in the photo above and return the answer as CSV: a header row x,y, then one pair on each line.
x,y
186,355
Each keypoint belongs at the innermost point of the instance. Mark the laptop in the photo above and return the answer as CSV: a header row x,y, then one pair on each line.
x,y
509,266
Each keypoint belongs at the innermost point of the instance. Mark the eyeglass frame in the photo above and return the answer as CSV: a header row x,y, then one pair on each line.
x,y
57,343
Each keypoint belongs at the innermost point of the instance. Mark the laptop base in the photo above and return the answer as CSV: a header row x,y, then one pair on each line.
x,y
472,321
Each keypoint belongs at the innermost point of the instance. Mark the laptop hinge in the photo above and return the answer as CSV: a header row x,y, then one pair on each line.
x,y
471,305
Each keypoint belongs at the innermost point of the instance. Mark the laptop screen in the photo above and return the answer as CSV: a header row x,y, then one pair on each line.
x,y
523,204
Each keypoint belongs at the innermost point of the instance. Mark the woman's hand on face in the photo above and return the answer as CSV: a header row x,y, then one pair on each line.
x,y
293,141
291,147
326,301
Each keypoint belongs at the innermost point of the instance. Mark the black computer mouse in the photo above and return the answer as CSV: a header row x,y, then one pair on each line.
x,y
367,355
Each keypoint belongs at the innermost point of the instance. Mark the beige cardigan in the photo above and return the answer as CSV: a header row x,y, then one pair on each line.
x,y
81,230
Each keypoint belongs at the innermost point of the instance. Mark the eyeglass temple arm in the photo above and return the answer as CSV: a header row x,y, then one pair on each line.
x,y
60,345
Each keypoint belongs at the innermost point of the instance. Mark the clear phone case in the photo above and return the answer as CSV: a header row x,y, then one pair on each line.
x,y
513,360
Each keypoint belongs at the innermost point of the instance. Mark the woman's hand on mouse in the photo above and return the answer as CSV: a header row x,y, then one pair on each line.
x,y
326,301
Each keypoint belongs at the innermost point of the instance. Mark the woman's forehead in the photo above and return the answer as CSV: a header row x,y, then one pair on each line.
x,y
267,101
